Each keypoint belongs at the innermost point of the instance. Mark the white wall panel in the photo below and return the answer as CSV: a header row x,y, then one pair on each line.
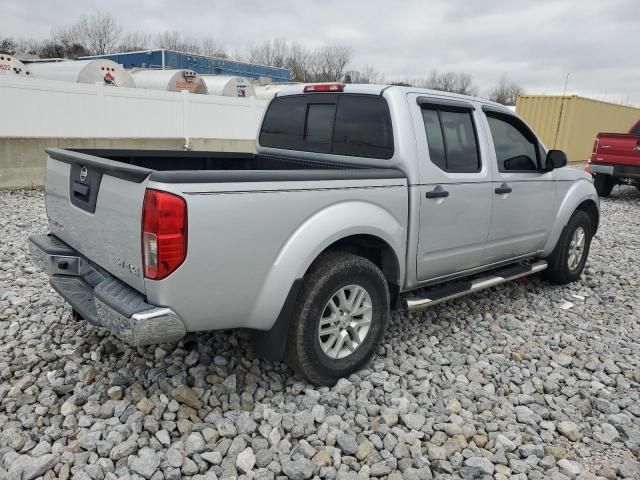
x,y
46,108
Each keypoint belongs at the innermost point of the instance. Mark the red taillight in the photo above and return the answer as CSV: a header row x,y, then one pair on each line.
x,y
164,233
325,87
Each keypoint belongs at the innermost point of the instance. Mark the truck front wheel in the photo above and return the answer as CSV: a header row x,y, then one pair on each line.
x,y
568,258
604,184
340,317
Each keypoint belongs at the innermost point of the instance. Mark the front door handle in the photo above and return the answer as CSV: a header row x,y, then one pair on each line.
x,y
437,194
502,189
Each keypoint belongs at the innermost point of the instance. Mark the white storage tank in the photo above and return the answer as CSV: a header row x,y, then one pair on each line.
x,y
170,80
228,86
83,71
266,92
9,65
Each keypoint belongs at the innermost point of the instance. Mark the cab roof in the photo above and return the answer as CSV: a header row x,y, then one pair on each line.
x,y
379,89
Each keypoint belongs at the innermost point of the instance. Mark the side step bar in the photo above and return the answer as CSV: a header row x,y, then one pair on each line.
x,y
425,297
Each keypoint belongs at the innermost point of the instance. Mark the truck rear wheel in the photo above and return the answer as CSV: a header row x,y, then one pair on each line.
x,y
340,317
568,258
604,184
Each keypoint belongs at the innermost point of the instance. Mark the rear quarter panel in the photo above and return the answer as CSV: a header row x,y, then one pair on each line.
x,y
248,242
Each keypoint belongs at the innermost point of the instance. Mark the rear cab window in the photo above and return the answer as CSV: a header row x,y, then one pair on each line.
x,y
342,124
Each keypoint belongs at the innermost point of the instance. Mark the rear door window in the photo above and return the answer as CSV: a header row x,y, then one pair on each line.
x,y
434,137
452,138
345,124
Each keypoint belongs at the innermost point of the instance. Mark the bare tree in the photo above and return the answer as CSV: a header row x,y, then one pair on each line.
x,y
449,82
299,62
401,83
330,63
30,45
368,74
51,50
210,48
506,92
101,31
465,85
8,45
271,52
134,41
173,40
68,36
322,64
97,33
440,81
455,82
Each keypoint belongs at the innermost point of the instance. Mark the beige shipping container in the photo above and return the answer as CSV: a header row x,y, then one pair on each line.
x,y
571,123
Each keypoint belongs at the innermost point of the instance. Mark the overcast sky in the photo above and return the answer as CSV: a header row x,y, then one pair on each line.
x,y
535,42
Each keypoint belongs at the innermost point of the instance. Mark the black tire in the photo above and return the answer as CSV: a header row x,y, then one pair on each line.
x,y
329,274
604,184
559,270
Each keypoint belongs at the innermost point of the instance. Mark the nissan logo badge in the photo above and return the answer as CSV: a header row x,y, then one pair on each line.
x,y
83,174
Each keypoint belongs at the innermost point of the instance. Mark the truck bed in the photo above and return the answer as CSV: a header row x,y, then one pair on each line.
x,y
95,203
173,166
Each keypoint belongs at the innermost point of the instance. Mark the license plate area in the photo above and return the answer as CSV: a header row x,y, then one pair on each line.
x,y
84,184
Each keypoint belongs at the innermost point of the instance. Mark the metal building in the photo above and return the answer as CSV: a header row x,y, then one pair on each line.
x,y
571,123
169,59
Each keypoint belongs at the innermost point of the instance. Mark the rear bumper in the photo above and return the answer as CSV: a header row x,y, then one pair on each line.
x,y
620,171
101,298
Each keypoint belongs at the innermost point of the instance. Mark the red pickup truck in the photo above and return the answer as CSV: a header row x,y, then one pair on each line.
x,y
615,160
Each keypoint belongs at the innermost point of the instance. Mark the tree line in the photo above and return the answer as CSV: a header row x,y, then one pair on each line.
x,y
99,33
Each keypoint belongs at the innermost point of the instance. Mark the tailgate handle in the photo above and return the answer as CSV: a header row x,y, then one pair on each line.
x,y
80,190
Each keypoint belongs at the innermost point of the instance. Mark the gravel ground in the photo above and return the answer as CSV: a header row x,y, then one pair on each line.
x,y
521,381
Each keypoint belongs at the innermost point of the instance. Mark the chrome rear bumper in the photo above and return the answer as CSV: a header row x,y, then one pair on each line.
x,y
102,299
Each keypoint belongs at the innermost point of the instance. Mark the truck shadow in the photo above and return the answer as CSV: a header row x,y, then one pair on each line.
x,y
225,361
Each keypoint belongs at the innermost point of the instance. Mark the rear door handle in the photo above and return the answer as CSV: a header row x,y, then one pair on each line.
x,y
437,194
502,189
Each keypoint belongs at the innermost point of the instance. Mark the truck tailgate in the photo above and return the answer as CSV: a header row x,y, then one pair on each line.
x,y
617,149
95,206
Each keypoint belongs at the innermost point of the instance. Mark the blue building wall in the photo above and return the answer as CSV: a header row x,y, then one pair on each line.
x,y
198,63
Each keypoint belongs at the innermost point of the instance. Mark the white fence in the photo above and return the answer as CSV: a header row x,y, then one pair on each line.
x,y
46,108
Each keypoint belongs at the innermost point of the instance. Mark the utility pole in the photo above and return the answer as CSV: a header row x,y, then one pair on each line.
x,y
564,92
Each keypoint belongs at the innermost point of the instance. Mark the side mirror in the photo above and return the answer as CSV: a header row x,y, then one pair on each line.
x,y
555,159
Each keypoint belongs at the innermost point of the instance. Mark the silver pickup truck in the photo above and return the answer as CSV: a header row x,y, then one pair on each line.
x,y
360,199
